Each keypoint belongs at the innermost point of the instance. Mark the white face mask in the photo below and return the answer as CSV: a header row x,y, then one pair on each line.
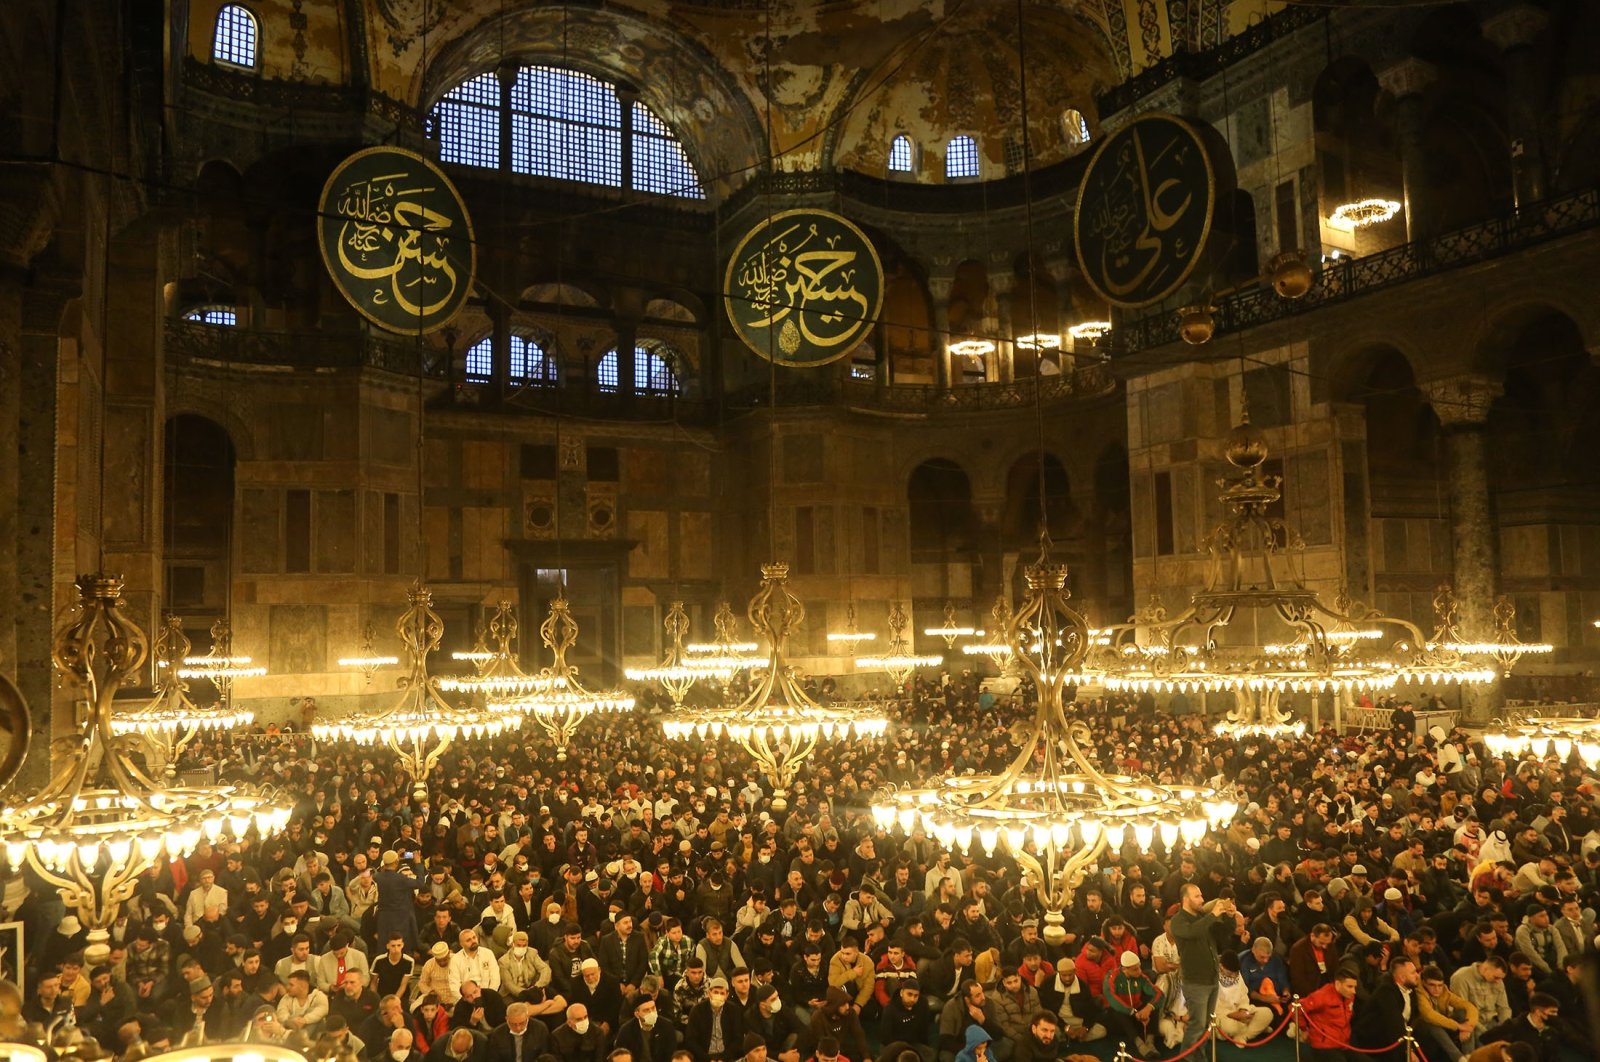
x,y
519,950
553,917
399,1056
649,1020
581,1027
766,858
776,1004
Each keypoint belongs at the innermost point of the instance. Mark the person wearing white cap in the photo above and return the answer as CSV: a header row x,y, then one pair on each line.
x,y
1132,1000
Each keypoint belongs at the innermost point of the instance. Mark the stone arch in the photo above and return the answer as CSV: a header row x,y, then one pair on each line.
x,y
939,499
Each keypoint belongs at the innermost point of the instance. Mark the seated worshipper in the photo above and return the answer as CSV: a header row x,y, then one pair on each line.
x,y
518,1038
328,971
302,1007
1237,1017
1313,960
1325,1018
578,1039
838,1019
460,1045
907,1020
967,1009
1446,1024
479,1009
521,968
645,1036
430,1020
714,1030
399,1047
1039,1045
599,995
434,977
1082,1019
1265,976
1132,1001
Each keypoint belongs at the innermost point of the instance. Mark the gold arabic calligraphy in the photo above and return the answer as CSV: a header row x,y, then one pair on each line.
x,y
392,237
1139,219
795,277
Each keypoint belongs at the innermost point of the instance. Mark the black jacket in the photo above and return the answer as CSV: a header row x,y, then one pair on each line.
x,y
697,1031
501,1047
663,1040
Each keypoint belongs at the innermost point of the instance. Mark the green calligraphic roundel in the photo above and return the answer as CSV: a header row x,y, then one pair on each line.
x,y
397,239
804,287
1145,209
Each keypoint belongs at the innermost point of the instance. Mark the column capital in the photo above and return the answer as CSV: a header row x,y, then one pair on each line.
x,y
939,287
1408,77
1515,27
1462,400
506,74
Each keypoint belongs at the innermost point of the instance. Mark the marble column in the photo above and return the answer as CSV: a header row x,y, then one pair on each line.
x,y
1462,405
1514,31
1406,81
500,346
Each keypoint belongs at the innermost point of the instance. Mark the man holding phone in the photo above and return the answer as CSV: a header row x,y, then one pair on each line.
x,y
1193,928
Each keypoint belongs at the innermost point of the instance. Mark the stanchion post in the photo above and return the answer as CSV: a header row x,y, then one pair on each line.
x,y
1294,1012
1122,1051
1411,1045
1214,1032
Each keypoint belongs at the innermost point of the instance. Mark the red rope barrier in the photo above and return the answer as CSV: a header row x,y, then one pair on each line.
x,y
1284,1024
1191,1049
1349,1047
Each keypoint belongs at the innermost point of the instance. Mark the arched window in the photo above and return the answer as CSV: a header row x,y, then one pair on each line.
x,y
653,369
531,364
1074,127
961,158
901,154
480,360
225,316
566,125
236,37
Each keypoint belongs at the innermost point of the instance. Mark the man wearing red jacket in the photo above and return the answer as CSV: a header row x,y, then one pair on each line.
x,y
1094,962
1325,1017
894,969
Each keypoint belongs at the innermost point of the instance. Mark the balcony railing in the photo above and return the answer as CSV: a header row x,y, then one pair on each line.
x,y
255,348
830,390
1342,279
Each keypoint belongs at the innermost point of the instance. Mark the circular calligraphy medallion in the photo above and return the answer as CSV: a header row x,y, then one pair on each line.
x,y
804,287
1145,210
397,239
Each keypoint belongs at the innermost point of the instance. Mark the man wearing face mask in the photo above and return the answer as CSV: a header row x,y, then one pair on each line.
x,y
715,1029
546,932
578,1039
400,1048
775,1023
519,1038
645,1036
521,968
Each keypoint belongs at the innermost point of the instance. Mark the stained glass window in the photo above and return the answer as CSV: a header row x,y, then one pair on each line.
x,y
235,39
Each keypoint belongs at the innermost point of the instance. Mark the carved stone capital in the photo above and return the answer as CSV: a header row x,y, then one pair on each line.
x,y
1408,77
1516,27
939,287
1462,400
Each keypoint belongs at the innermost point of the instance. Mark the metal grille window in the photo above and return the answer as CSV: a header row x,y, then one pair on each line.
x,y
659,162
225,316
468,123
480,360
529,362
653,372
900,154
235,40
961,158
567,125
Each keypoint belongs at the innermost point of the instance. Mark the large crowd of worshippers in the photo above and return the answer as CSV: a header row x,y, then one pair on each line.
x,y
642,901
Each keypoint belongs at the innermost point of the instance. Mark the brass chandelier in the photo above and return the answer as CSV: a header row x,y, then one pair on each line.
x,y
220,666
679,671
101,820
1545,735
420,726
951,628
898,660
170,720
1217,644
368,660
777,723
996,646
565,702
1051,808
501,678
1505,648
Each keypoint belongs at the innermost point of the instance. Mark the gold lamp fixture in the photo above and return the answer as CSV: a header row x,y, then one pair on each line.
x,y
1505,649
369,661
777,723
221,666
951,628
170,720
727,642
897,660
851,634
678,671
1216,644
997,645
501,677
101,821
565,702
1546,735
420,726
1052,809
